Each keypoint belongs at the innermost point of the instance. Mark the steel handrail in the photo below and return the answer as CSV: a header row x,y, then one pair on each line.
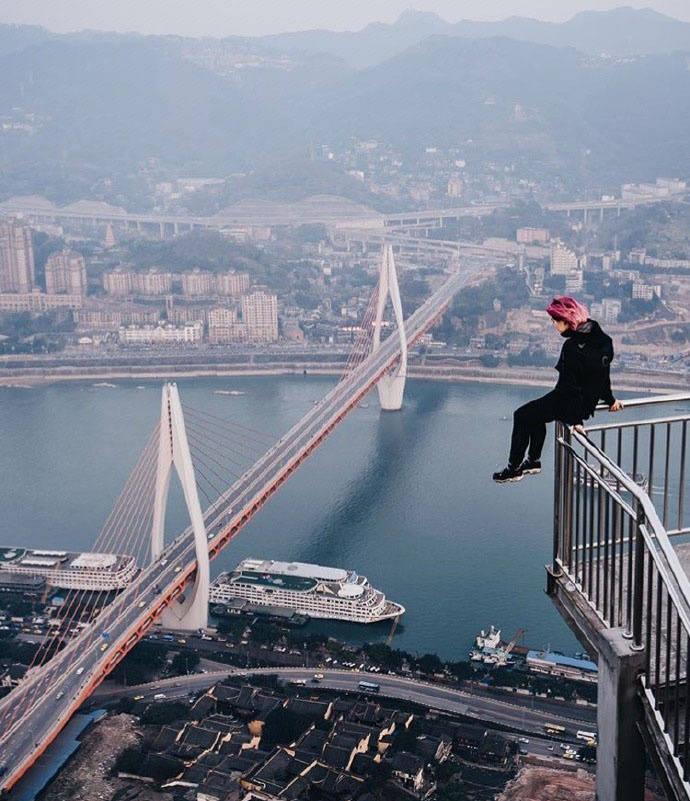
x,y
659,541
652,400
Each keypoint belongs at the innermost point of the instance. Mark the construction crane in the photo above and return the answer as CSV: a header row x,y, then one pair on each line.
x,y
513,642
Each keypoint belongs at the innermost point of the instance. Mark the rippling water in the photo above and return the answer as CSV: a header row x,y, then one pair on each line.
x,y
404,498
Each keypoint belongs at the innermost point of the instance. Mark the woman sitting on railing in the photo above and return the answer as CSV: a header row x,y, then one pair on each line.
x,y
583,380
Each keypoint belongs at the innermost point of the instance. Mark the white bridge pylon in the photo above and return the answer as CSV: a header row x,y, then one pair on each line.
x,y
173,449
391,386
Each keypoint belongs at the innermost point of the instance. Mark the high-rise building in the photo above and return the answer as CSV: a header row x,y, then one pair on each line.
x,y
152,283
610,310
198,283
66,272
563,260
232,283
122,282
16,258
260,315
574,281
118,282
224,326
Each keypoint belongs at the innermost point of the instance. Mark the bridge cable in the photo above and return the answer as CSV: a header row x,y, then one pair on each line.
x,y
126,505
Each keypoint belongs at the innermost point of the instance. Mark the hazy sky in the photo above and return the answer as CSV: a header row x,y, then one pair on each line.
x,y
250,17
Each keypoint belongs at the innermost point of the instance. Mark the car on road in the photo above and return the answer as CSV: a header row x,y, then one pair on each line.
x,y
80,671
138,697
523,740
159,696
104,647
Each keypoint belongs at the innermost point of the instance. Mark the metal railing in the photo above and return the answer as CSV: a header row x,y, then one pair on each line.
x,y
620,493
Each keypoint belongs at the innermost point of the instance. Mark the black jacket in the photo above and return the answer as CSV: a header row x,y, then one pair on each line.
x,y
583,367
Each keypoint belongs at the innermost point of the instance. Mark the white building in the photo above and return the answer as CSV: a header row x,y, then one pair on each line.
x,y
260,315
161,334
642,291
563,260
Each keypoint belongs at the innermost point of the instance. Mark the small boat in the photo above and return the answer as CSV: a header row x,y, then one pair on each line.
x,y
227,392
101,384
363,405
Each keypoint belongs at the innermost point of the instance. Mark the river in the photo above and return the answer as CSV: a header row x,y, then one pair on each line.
x,y
404,498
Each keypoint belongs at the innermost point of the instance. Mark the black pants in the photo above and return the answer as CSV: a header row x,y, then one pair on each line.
x,y
529,424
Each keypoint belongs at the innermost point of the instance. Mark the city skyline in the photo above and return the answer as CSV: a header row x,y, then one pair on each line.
x,y
210,18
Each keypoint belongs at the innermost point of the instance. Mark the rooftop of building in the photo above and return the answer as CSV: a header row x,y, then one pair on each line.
x,y
564,661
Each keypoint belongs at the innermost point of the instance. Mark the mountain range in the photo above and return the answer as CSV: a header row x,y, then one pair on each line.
x,y
82,109
622,31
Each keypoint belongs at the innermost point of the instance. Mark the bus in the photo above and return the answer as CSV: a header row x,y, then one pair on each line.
x,y
554,728
588,736
369,686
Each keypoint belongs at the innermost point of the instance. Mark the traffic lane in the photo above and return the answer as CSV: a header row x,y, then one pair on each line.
x,y
181,688
458,701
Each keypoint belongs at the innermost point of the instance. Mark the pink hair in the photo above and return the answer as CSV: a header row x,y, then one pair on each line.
x,y
568,310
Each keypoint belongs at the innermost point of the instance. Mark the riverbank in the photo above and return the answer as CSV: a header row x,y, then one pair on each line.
x,y
87,775
27,377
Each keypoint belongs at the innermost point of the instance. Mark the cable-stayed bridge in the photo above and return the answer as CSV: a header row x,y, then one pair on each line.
x,y
215,458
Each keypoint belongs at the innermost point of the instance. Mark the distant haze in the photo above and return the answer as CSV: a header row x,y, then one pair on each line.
x,y
257,17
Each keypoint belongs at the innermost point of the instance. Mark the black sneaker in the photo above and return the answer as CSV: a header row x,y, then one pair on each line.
x,y
531,466
508,474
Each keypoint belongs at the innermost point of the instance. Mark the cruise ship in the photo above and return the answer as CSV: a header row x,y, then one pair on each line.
x,y
69,571
319,592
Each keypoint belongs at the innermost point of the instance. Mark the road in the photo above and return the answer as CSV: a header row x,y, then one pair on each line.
x,y
517,712
511,712
33,714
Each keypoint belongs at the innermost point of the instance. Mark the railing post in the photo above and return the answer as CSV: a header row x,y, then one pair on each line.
x,y
568,489
557,465
638,584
